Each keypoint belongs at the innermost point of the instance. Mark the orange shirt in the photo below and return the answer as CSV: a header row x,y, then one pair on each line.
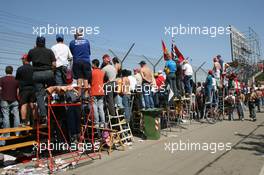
x,y
97,82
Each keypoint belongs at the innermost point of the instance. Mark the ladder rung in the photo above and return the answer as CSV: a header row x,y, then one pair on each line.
x,y
124,130
118,124
125,138
118,116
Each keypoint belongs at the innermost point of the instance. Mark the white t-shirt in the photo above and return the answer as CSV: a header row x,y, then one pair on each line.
x,y
214,83
187,68
133,82
62,54
138,77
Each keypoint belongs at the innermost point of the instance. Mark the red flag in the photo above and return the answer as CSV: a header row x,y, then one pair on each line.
x,y
178,53
166,54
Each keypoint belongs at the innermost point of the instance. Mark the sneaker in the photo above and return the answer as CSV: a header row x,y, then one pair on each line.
x,y
2,142
102,125
23,124
242,119
176,99
96,125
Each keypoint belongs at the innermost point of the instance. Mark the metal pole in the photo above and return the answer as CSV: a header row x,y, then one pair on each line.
x,y
127,53
203,70
155,65
200,67
113,53
231,43
149,62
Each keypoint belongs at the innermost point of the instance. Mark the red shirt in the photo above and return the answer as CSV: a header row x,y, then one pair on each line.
x,y
97,82
9,87
160,81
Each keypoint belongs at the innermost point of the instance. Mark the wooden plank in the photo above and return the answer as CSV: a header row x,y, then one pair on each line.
x,y
18,145
17,129
14,137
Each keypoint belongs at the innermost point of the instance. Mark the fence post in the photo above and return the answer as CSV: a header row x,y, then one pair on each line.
x,y
200,67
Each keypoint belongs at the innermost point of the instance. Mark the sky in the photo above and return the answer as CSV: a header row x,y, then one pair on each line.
x,y
124,22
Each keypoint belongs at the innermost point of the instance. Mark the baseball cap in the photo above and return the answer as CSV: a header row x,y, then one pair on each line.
x,y
142,63
25,57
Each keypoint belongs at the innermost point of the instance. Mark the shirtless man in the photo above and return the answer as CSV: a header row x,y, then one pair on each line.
x,y
217,71
147,76
145,72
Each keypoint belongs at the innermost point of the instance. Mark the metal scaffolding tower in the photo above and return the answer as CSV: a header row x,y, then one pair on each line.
x,y
245,52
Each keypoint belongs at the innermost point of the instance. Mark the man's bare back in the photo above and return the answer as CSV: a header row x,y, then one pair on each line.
x,y
146,74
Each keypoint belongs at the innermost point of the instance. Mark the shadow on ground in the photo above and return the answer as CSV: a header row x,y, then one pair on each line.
x,y
252,142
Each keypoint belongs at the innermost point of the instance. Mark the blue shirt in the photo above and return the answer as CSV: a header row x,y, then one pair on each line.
x,y
80,50
209,81
171,65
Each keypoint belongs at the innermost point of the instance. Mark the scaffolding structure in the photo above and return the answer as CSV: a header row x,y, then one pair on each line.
x,y
72,157
245,53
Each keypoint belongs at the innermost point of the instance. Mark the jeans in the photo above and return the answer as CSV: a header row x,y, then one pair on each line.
x,y
142,100
6,108
109,97
258,104
137,104
171,78
240,110
215,96
262,101
126,104
179,85
98,106
118,101
59,77
252,111
156,99
187,84
231,113
208,94
73,120
147,95
40,96
42,78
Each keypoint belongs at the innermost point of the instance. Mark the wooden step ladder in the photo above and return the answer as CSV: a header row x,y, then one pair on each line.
x,y
119,124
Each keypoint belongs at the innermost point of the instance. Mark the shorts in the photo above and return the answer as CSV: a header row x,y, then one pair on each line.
x,y
82,70
27,96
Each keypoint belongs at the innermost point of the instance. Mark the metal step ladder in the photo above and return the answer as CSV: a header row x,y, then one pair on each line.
x,y
221,104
